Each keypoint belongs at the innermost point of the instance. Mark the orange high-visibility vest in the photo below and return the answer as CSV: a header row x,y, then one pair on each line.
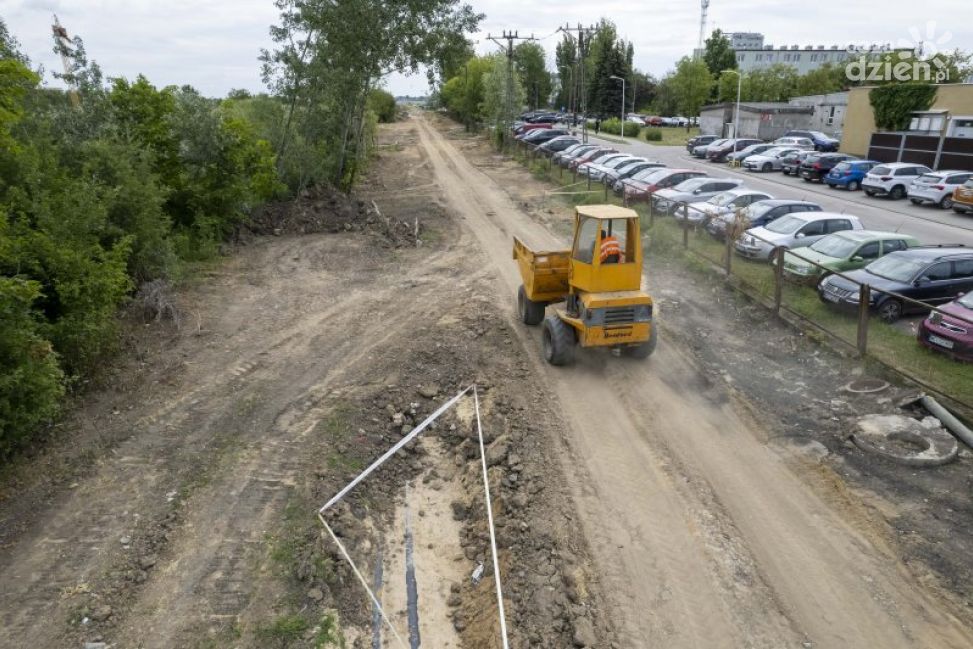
x,y
611,247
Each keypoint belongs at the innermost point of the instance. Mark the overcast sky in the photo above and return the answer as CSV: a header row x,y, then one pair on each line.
x,y
213,44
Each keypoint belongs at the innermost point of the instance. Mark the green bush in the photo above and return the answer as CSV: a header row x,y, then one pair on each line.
x,y
653,135
382,104
614,127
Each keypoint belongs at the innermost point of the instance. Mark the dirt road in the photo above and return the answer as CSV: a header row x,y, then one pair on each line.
x,y
703,536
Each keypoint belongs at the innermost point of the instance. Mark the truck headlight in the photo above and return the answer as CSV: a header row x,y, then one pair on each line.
x,y
643,312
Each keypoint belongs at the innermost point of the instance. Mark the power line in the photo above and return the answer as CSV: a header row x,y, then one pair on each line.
x,y
583,40
510,37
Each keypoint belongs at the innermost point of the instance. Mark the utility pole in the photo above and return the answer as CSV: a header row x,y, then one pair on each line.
x,y
510,37
584,34
63,46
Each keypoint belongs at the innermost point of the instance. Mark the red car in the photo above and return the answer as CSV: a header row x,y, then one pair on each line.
x,y
950,329
642,185
591,156
527,128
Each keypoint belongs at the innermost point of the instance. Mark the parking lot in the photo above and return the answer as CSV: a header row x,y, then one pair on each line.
x,y
930,225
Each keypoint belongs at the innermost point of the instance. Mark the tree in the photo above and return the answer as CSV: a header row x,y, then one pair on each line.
x,y
566,59
828,78
690,85
502,96
529,58
642,90
667,98
718,54
608,58
382,103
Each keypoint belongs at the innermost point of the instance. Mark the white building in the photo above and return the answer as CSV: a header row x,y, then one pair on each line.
x,y
804,60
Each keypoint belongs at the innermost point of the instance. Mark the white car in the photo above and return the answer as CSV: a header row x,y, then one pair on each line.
x,y
597,170
802,143
769,160
892,179
635,119
937,187
585,168
723,203
795,230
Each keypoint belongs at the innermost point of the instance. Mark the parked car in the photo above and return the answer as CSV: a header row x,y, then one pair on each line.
x,y
849,174
758,215
949,329
821,141
699,140
843,251
558,144
743,154
539,136
568,158
802,143
791,164
793,231
586,168
938,187
635,119
720,153
893,179
693,190
576,149
524,129
728,202
629,169
931,274
703,149
816,167
770,160
592,156
597,171
963,198
643,185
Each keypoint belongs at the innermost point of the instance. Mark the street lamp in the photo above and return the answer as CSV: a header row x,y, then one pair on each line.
x,y
736,116
623,100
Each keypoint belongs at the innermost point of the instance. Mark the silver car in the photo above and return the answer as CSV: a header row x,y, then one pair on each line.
x,y
588,167
793,231
703,149
694,190
726,202
598,171
937,187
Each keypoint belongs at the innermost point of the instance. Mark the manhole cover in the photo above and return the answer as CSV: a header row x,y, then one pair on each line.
x,y
866,385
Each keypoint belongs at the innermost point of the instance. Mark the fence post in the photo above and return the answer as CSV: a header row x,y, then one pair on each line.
x,y
864,297
729,256
651,213
778,279
589,182
685,233
606,190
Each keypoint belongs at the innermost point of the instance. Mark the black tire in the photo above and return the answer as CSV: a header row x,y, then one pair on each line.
x,y
959,210
558,341
644,350
890,310
897,193
786,171
946,203
869,193
807,180
767,168
530,313
853,186
915,201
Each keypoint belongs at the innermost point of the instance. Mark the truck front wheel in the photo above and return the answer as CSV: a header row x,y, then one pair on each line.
x,y
559,341
645,349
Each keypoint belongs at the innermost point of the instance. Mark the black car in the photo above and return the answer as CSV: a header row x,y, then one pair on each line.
x,y
931,274
541,135
555,145
759,214
699,140
816,167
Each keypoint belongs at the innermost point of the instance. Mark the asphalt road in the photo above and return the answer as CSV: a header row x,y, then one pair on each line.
x,y
928,224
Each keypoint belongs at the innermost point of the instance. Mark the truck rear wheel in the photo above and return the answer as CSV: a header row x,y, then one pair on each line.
x,y
645,349
530,312
559,341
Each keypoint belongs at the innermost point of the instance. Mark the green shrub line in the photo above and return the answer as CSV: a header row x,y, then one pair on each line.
x,y
888,345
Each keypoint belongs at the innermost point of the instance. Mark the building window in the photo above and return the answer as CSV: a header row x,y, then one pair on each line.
x,y
760,57
831,116
797,57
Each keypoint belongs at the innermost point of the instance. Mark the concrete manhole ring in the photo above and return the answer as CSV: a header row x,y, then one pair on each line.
x,y
866,385
905,440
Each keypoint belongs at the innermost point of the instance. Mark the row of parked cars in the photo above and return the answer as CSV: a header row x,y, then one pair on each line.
x,y
812,160
833,252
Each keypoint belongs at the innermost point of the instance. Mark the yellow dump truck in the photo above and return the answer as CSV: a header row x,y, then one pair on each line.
x,y
599,280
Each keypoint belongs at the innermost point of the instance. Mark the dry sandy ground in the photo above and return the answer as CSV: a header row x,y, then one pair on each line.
x,y
637,505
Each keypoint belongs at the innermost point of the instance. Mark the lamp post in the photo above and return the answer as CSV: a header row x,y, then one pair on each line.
x,y
736,115
622,79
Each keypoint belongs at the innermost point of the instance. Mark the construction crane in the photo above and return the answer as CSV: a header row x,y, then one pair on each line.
x,y
63,45
702,23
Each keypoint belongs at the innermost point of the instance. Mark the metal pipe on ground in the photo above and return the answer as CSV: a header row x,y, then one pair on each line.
x,y
952,424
